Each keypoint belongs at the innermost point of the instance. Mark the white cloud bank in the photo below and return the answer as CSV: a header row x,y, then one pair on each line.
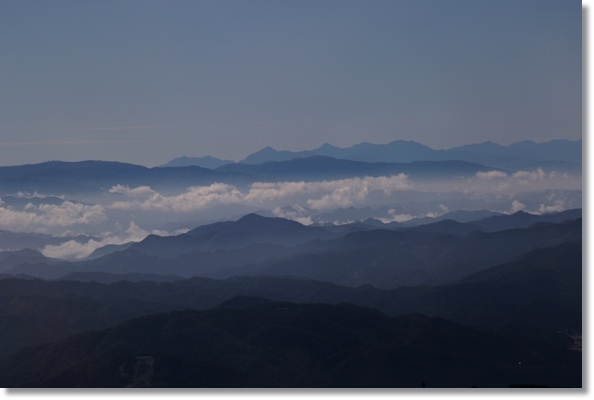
x,y
313,197
538,174
502,182
393,216
43,217
320,195
195,198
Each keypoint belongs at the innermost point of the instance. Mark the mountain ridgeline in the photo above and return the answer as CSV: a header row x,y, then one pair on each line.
x,y
393,266
510,298
385,257
401,151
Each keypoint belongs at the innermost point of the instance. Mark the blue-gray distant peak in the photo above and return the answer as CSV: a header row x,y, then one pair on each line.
x,y
554,150
270,154
396,151
403,151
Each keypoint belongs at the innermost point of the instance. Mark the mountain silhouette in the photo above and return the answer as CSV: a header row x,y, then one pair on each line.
x,y
249,342
249,230
537,293
256,245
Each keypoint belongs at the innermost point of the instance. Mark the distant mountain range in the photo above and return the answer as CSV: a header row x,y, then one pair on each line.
x,y
561,154
487,153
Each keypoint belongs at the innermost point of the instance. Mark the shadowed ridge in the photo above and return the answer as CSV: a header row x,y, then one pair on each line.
x,y
253,220
240,302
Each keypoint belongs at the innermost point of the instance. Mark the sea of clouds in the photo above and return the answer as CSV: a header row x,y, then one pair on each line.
x,y
123,216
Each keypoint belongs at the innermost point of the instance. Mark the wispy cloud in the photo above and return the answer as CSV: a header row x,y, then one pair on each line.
x,y
517,206
140,191
346,192
490,175
501,182
340,188
295,212
393,216
538,174
558,206
46,216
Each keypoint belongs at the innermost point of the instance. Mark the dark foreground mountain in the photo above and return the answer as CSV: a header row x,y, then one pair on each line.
x,y
539,293
251,342
106,277
540,289
390,259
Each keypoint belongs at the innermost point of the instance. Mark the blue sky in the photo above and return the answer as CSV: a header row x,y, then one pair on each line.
x,y
146,81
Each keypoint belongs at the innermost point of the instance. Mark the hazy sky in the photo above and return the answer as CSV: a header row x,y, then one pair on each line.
x,y
146,81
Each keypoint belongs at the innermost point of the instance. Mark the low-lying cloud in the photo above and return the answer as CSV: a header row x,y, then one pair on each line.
x,y
319,195
502,182
310,202
517,206
295,213
41,218
73,250
538,174
394,216
194,199
485,176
